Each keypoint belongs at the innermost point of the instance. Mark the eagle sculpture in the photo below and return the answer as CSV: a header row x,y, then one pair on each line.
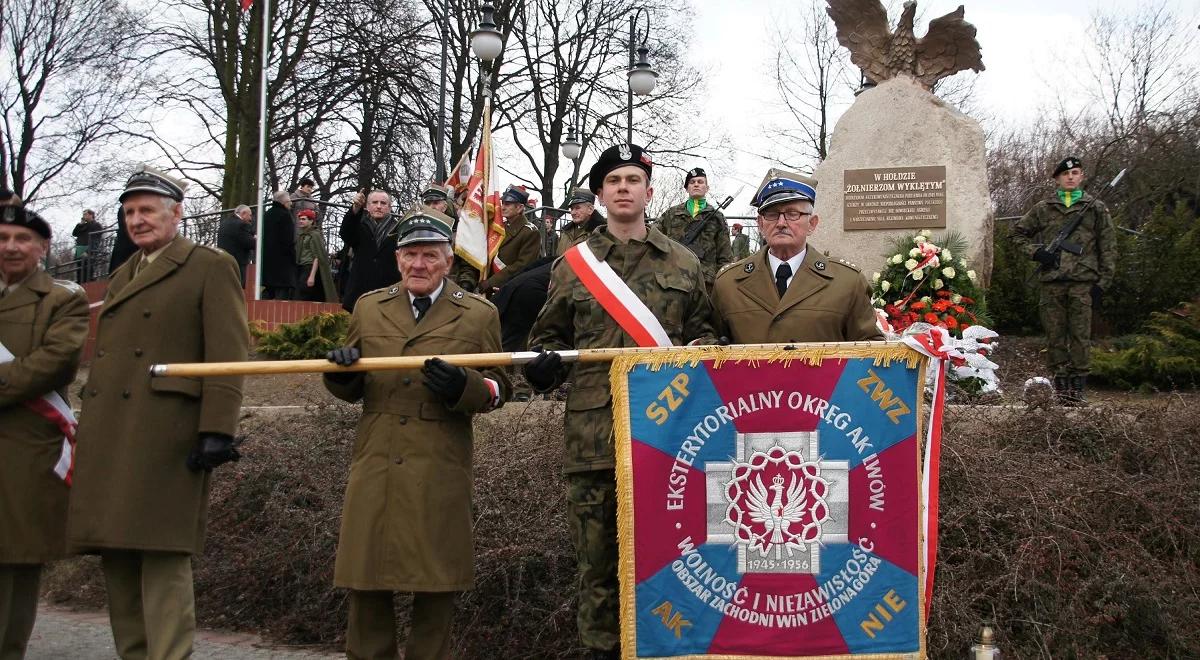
x,y
947,48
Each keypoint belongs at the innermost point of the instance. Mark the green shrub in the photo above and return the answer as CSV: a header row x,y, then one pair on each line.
x,y
1165,356
308,339
1012,294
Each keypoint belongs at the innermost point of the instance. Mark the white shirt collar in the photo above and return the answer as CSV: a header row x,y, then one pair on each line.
x,y
795,262
432,297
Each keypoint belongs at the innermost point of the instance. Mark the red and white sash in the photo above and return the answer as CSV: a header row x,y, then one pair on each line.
x,y
52,407
621,303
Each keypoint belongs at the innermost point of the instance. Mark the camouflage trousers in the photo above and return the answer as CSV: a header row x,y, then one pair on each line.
x,y
1066,311
592,516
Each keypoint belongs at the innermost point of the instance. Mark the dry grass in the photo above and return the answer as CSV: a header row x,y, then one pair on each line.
x,y
1077,535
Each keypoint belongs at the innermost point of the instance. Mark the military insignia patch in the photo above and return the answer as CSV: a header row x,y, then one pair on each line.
x,y
749,268
820,265
392,291
457,295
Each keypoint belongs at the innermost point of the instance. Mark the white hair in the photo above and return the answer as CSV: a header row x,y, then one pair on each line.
x,y
241,208
281,196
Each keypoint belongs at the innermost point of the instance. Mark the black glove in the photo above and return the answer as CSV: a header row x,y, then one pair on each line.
x,y
723,341
211,450
1097,295
445,379
1044,258
344,356
543,371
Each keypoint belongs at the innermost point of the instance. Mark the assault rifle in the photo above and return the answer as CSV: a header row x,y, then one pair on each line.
x,y
694,232
1061,242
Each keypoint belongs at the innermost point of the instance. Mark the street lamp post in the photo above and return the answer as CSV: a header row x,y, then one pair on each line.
x,y
642,76
439,150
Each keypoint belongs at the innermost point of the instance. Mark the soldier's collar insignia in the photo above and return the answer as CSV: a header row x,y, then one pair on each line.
x,y
820,265
749,267
457,295
392,291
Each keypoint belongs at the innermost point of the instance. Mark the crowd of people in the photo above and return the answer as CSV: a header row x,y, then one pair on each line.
x,y
129,481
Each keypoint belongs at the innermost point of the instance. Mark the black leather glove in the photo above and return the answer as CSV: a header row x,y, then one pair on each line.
x,y
543,371
1045,258
444,379
1097,295
344,356
211,450
723,341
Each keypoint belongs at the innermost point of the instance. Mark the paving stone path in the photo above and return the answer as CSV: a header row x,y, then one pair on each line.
x,y
65,635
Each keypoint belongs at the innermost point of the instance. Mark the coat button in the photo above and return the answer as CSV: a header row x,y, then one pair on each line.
x,y
92,392
137,352
125,394
403,420
100,353
146,313
407,381
399,460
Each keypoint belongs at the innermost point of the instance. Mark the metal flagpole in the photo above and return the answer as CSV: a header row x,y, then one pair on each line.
x,y
262,144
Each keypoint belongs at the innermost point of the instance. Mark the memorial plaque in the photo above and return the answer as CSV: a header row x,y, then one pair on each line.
x,y
895,198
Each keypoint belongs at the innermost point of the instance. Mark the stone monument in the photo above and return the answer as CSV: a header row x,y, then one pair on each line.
x,y
900,158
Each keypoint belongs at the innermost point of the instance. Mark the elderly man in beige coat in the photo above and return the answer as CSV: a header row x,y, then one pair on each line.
x,y
147,445
789,291
43,324
406,525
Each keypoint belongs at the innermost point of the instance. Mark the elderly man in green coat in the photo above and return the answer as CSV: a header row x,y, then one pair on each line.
x,y
147,445
406,525
43,324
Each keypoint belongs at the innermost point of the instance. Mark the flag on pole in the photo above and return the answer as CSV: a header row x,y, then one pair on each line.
x,y
460,177
246,4
479,230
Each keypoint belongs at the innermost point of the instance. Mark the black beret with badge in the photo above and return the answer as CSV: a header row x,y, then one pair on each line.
x,y
694,173
150,180
618,156
423,225
580,196
22,217
1068,163
780,186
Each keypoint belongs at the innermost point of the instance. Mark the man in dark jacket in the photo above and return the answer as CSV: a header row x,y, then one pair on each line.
x,y
236,236
279,250
369,228
123,246
86,233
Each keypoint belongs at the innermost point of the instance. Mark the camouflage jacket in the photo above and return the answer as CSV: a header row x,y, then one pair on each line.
x,y
1096,235
666,277
575,233
711,244
741,247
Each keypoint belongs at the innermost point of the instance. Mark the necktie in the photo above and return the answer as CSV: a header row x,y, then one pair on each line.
x,y
422,304
781,278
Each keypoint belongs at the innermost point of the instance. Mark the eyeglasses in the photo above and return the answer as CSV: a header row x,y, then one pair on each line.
x,y
792,215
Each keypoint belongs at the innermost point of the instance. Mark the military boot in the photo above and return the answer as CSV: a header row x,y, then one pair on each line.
x,y
1078,384
1062,390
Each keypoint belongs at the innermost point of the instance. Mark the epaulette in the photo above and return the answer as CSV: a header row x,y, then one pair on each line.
x,y
740,264
214,249
481,299
531,225
389,290
69,286
847,264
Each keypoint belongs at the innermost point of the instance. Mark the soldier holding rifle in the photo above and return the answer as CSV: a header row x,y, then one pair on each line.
x,y
656,287
406,525
1072,239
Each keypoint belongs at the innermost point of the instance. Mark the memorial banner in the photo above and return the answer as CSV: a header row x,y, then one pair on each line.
x,y
770,505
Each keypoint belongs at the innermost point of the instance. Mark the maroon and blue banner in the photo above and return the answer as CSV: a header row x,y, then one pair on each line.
x,y
770,505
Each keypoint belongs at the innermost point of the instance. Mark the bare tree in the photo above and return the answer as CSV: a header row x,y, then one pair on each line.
x,y
71,86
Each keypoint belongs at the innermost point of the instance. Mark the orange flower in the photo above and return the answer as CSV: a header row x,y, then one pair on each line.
x,y
941,305
931,318
959,309
917,305
951,322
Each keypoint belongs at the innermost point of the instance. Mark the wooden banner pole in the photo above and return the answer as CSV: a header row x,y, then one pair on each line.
x,y
253,368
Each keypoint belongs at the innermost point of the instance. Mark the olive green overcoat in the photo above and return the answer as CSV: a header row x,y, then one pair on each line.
x,y
132,487
828,300
43,324
406,522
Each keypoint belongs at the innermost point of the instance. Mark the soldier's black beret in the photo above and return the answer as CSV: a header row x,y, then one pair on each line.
x,y
692,174
618,156
21,217
1068,163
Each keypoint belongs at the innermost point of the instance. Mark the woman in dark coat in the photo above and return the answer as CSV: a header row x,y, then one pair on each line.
x,y
279,250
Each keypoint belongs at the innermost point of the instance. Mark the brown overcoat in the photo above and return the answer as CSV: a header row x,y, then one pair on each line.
x,y
406,522
43,324
522,245
828,300
132,487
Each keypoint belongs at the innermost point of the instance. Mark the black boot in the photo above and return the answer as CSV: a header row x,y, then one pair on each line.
x,y
1062,390
1078,385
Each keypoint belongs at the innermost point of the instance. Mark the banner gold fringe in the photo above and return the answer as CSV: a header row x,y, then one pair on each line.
x,y
881,356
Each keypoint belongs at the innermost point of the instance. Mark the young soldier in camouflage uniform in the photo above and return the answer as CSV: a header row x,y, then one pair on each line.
x,y
666,277
1071,283
699,226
